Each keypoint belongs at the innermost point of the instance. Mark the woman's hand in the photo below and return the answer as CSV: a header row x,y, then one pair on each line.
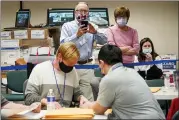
x,y
148,57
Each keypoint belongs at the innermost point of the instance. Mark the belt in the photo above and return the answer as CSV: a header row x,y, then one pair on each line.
x,y
85,61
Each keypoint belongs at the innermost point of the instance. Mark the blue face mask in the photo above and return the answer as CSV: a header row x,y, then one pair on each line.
x,y
147,50
121,21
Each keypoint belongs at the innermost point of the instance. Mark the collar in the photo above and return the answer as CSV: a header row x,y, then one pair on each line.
x,y
115,66
76,21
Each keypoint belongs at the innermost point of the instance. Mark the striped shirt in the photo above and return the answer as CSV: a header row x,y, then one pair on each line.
x,y
42,79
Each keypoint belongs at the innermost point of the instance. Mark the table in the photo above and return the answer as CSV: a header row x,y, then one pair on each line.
x,y
166,94
31,115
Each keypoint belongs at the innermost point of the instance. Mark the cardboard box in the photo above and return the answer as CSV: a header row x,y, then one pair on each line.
x,y
38,33
7,35
34,43
11,43
9,56
21,34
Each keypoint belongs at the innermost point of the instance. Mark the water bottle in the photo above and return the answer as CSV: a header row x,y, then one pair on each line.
x,y
167,81
50,100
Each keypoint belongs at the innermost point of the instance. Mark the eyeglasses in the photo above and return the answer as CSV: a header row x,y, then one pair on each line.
x,y
82,11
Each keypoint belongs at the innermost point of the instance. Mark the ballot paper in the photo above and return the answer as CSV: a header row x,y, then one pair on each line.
x,y
18,113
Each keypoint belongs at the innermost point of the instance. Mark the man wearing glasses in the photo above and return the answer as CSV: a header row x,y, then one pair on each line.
x,y
83,34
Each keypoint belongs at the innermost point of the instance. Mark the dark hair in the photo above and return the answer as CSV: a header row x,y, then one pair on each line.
x,y
110,54
122,12
141,55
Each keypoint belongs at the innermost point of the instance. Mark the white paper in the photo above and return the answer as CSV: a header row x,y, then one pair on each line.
x,y
5,35
31,115
9,43
8,57
21,34
37,34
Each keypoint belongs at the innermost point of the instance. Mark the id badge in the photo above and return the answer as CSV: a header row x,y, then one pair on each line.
x,y
83,41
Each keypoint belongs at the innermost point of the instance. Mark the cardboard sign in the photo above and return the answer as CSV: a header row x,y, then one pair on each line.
x,y
6,35
9,43
21,34
37,34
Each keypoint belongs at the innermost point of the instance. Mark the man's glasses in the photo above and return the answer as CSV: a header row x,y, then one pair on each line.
x,y
82,11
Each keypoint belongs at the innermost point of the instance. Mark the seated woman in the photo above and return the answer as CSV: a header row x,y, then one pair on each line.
x,y
147,53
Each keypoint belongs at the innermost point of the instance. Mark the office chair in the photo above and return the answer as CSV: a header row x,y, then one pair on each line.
x,y
15,80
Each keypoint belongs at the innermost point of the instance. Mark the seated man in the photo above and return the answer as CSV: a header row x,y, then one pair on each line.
x,y
123,90
5,104
59,75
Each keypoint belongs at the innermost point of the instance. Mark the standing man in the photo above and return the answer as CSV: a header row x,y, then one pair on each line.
x,y
83,34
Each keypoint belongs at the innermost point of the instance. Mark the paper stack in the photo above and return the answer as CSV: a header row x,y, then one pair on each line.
x,y
70,113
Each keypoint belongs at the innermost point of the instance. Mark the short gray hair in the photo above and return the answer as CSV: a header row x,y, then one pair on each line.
x,y
80,3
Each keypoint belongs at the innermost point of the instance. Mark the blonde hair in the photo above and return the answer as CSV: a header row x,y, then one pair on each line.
x,y
68,50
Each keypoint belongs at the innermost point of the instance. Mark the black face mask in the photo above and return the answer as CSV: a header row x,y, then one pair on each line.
x,y
65,68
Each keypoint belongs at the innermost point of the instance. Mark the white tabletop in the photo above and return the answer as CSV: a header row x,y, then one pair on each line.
x,y
166,94
31,115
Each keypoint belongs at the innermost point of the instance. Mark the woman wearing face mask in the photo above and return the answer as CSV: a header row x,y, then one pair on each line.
x,y
125,37
147,53
58,74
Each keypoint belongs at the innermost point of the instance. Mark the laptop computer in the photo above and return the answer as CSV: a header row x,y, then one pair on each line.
x,y
22,20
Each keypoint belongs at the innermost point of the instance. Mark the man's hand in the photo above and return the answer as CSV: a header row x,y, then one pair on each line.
x,y
91,29
82,30
57,105
44,101
36,106
83,100
86,105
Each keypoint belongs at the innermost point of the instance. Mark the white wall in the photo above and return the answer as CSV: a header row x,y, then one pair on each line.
x,y
157,20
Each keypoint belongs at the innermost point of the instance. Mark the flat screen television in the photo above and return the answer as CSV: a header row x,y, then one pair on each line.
x,y
58,16
99,16
22,18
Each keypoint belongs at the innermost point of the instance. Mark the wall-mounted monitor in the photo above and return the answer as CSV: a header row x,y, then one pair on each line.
x,y
99,16
58,16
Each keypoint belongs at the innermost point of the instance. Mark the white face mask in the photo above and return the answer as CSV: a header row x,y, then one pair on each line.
x,y
121,21
146,50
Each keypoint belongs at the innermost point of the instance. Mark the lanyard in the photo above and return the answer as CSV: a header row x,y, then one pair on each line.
x,y
61,95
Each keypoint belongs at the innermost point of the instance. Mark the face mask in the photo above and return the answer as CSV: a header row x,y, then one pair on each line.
x,y
121,22
81,17
65,68
146,50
